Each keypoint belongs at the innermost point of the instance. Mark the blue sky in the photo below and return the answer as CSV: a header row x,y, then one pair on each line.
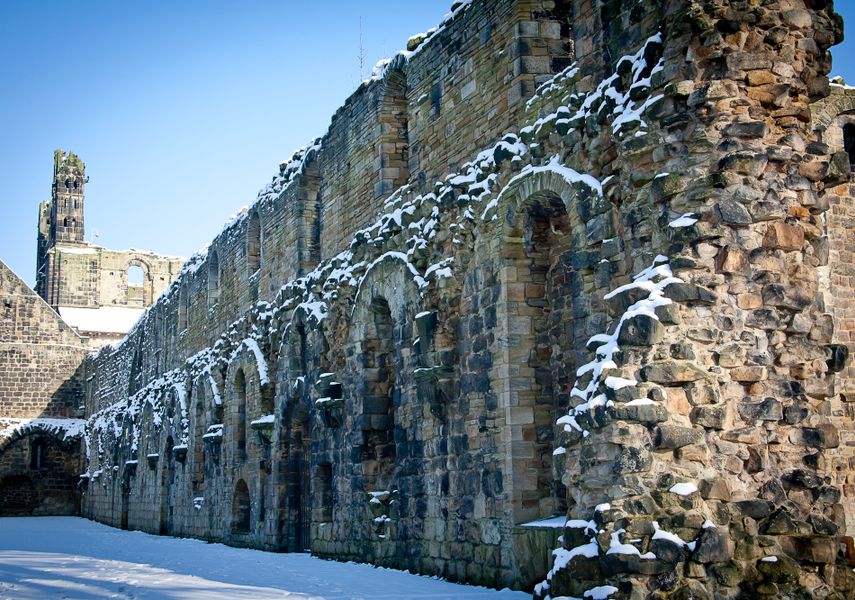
x,y
182,111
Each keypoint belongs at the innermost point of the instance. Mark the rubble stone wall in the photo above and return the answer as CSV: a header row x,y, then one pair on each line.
x,y
622,310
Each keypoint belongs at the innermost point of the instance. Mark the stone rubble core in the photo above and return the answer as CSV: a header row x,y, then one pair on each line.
x,y
622,311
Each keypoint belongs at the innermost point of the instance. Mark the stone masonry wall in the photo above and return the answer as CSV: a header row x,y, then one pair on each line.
x,y
89,276
620,310
40,356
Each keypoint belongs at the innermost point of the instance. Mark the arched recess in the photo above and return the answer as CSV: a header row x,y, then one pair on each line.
x,y
213,278
310,249
534,365
241,509
40,473
250,396
392,146
201,420
380,379
297,372
253,242
167,481
150,435
183,307
129,469
237,414
139,283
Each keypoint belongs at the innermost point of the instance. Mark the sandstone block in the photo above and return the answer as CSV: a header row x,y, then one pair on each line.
x,y
813,549
713,546
749,373
672,372
784,237
674,436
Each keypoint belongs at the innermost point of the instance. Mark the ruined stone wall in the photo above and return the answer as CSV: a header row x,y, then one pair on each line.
x,y
620,312
39,355
89,276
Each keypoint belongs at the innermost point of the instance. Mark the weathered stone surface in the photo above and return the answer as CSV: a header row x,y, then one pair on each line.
x,y
784,237
672,372
406,371
713,546
674,436
769,409
641,330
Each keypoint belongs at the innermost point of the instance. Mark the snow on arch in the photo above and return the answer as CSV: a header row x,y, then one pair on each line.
x,y
12,430
554,178
406,275
249,347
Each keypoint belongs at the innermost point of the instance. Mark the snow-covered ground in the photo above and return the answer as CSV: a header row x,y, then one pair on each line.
x,y
70,557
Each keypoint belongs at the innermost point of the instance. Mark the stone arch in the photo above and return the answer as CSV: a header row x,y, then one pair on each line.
x,y
36,428
248,394
392,144
253,242
241,508
826,111
177,418
139,294
150,436
379,374
543,238
41,472
213,278
303,339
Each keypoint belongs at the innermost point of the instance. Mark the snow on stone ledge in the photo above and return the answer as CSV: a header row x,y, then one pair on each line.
x,y
551,522
265,420
601,592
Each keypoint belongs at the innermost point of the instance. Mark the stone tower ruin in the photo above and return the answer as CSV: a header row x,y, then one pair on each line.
x,y
88,285
561,301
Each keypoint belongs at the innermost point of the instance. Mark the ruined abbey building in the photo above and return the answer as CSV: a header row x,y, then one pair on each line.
x,y
562,300
83,300
88,285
